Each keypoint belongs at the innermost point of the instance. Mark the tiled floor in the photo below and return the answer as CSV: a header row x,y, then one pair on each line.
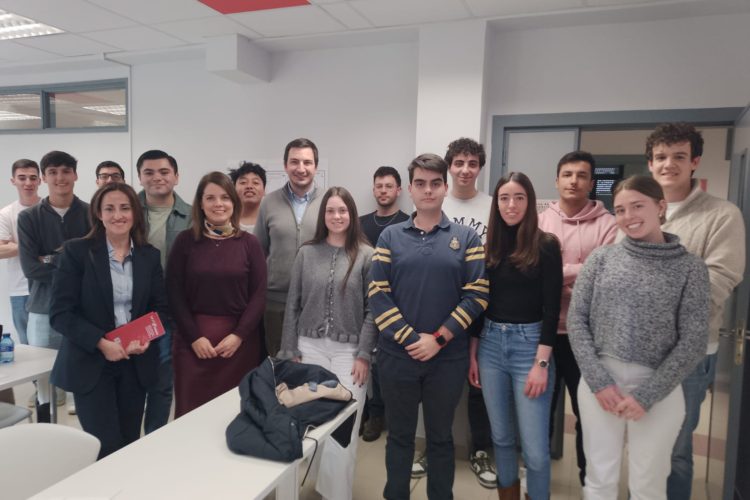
x,y
370,471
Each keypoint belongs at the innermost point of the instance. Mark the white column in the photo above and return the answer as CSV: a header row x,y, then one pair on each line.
x,y
450,94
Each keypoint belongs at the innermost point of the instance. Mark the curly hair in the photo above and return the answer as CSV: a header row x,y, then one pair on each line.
x,y
675,133
465,146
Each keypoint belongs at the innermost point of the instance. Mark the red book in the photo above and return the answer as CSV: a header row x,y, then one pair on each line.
x,y
144,329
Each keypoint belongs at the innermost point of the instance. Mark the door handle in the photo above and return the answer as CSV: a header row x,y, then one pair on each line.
x,y
727,333
739,343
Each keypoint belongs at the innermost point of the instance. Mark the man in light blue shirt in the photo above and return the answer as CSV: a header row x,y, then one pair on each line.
x,y
287,219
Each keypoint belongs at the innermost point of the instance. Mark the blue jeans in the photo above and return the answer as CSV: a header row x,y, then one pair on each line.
x,y
20,316
41,334
694,387
506,355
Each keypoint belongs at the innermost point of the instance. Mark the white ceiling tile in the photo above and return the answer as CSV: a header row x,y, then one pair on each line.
x,y
66,45
158,11
13,51
291,21
346,15
486,8
197,30
74,16
401,12
138,38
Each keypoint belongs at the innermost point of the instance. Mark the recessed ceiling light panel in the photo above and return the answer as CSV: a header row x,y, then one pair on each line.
x,y
13,26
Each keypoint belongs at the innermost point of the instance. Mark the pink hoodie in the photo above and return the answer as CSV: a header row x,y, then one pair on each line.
x,y
579,235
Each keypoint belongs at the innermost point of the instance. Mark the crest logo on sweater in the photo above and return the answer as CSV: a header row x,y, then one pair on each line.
x,y
454,244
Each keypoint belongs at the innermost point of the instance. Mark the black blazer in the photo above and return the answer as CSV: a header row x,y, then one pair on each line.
x,y
82,310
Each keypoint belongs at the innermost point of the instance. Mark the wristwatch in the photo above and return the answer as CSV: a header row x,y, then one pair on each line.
x,y
543,363
47,259
442,341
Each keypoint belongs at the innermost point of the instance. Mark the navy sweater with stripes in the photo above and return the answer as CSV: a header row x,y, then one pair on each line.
x,y
422,280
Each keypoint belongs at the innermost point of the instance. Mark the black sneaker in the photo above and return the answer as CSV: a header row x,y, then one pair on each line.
x,y
373,429
481,464
419,467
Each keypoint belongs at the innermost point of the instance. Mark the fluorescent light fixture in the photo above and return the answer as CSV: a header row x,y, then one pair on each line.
x,y
13,26
7,116
115,109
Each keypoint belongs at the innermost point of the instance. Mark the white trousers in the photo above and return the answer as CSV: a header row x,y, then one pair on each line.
x,y
335,478
650,439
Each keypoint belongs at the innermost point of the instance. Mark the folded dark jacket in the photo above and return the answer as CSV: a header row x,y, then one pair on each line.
x,y
267,429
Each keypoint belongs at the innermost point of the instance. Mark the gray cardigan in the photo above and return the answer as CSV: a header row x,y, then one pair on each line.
x,y
642,303
280,236
316,307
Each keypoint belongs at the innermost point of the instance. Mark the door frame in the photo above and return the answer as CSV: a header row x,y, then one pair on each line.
x,y
602,120
739,183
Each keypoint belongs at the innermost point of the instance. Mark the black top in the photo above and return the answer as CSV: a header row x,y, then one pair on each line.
x,y
518,297
373,225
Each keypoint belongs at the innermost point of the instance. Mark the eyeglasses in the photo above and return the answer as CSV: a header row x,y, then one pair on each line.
x,y
106,177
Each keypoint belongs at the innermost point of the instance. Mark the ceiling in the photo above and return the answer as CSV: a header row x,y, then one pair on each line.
x,y
132,30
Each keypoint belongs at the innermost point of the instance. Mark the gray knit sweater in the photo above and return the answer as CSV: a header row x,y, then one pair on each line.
x,y
316,307
641,303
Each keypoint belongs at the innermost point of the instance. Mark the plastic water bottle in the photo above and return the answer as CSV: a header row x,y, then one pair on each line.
x,y
7,348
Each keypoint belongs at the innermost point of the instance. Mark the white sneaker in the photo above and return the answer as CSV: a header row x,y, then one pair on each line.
x,y
60,396
72,408
481,464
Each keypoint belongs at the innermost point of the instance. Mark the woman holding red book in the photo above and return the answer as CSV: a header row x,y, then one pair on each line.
x,y
106,279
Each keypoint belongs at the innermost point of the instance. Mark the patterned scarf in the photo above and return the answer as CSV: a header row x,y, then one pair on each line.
x,y
225,231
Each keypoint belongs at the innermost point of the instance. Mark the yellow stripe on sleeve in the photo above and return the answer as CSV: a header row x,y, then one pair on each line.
x,y
402,334
463,314
459,319
393,319
476,256
482,303
392,310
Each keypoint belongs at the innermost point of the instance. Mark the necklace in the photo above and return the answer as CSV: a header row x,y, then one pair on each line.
x,y
388,223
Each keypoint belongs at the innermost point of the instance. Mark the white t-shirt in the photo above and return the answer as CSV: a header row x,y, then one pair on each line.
x,y
672,207
17,284
474,212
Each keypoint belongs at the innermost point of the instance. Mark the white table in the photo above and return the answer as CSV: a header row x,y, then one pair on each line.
x,y
30,363
189,459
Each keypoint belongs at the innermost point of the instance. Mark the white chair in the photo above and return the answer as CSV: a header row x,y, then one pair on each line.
x,y
12,414
37,456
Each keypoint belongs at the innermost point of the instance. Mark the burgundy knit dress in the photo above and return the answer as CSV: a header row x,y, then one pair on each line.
x,y
215,287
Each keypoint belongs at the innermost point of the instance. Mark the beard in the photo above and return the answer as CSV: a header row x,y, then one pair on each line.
x,y
386,205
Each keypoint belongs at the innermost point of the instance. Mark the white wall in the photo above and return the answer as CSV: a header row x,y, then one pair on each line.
x,y
358,105
682,63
